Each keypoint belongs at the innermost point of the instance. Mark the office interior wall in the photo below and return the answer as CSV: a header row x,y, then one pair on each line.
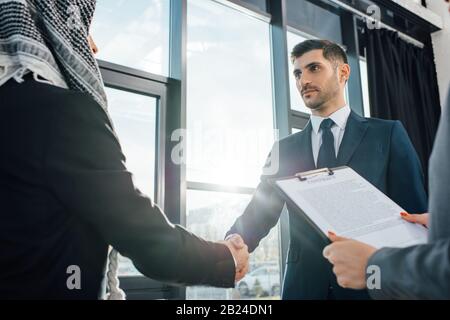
x,y
441,45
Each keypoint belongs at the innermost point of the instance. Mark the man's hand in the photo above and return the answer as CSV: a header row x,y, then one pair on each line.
x,y
239,250
422,219
350,259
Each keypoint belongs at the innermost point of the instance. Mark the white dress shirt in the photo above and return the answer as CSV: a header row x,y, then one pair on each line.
x,y
340,118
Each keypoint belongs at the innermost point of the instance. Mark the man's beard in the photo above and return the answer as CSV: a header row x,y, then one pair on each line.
x,y
330,91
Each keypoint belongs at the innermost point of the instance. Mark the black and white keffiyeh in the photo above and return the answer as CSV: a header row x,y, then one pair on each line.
x,y
49,38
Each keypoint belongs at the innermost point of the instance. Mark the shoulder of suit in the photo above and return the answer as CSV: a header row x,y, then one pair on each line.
x,y
78,105
291,138
381,123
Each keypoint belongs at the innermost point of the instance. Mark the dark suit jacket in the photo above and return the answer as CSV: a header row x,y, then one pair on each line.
x,y
423,272
65,195
378,150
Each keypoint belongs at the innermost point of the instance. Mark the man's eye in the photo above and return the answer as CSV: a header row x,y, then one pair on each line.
x,y
315,68
297,75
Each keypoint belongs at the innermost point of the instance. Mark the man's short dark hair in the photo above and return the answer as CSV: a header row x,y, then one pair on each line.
x,y
331,51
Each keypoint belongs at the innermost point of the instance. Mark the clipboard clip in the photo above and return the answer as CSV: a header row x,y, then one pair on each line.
x,y
314,173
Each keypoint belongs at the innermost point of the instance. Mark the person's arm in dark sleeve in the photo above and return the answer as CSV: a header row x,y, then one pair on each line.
x,y
423,272
262,213
417,272
406,184
85,170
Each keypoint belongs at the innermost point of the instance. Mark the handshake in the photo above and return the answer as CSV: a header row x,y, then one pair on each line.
x,y
239,250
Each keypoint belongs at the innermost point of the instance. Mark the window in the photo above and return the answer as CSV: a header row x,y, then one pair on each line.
x,y
365,87
229,95
133,33
230,127
134,120
296,99
209,215
313,19
260,272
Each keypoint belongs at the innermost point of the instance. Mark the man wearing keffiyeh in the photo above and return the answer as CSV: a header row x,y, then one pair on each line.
x,y
65,192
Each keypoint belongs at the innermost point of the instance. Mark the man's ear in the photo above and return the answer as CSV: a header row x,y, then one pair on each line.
x,y
92,45
344,72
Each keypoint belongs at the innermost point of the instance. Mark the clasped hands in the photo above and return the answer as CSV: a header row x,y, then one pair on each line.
x,y
239,250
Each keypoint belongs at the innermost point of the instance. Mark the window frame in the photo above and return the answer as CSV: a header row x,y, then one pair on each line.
x,y
251,12
143,83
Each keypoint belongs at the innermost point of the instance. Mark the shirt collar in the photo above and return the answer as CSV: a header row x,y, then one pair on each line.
x,y
339,117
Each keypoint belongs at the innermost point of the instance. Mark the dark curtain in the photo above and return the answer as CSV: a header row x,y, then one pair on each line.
x,y
403,86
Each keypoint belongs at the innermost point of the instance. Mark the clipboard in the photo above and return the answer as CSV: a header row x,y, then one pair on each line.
x,y
380,225
304,176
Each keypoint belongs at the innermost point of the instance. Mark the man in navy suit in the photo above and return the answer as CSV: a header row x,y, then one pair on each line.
x,y
379,150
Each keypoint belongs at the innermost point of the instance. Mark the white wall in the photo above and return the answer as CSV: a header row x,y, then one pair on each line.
x,y
441,44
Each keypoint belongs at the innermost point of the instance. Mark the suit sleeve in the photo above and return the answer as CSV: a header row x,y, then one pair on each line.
x,y
423,272
418,272
263,211
85,170
406,181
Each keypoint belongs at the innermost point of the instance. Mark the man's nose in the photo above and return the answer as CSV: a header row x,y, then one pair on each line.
x,y
304,82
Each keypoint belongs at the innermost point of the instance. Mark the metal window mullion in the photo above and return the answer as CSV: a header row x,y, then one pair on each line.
x,y
202,186
175,173
350,39
281,100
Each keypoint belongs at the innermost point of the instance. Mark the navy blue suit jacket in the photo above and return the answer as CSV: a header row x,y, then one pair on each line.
x,y
380,151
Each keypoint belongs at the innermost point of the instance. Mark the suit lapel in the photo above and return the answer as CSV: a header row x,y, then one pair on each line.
x,y
305,149
354,133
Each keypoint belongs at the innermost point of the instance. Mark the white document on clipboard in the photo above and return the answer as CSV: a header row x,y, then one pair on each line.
x,y
341,201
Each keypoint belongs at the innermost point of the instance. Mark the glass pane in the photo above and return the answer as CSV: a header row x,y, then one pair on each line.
x,y
365,87
296,98
210,215
229,95
259,4
133,33
312,19
134,120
